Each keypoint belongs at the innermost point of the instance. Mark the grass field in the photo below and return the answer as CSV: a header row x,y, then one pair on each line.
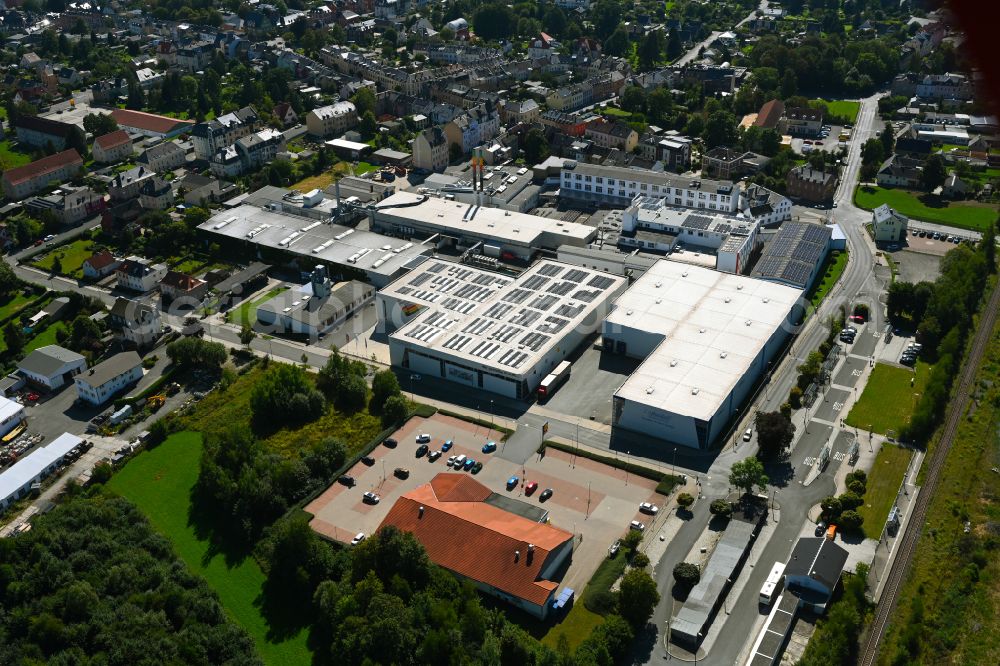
x,y
888,400
842,108
318,181
947,612
576,627
12,305
73,256
363,168
219,409
833,268
10,158
927,207
883,484
46,337
160,482
615,111
246,313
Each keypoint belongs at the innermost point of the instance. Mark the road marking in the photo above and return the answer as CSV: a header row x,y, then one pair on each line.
x,y
839,455
856,372
837,406
809,462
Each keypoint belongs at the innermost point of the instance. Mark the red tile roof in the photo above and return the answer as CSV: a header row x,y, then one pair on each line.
x,y
148,121
112,140
477,540
99,260
180,281
40,167
770,114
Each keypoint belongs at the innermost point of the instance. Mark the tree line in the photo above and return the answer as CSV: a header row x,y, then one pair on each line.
x,y
942,314
92,582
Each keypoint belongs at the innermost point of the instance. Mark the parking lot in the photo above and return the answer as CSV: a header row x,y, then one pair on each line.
x,y
593,501
831,143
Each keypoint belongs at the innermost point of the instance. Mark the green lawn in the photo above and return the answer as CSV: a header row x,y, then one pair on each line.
x,y
246,313
15,303
833,268
160,482
842,108
576,626
615,111
46,337
10,158
888,400
73,256
927,207
363,168
883,484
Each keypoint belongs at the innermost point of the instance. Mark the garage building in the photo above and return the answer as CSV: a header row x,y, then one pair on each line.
x,y
706,338
16,482
488,330
51,366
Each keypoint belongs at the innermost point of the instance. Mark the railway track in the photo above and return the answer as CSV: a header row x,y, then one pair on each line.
x,y
908,543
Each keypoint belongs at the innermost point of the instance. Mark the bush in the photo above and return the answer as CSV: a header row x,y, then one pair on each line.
x,y
394,411
640,560
601,602
285,396
856,487
851,520
195,352
353,393
849,501
384,386
795,397
685,500
721,507
687,574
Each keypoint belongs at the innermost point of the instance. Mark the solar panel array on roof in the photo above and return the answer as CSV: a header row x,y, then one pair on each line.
x,y
562,288
517,296
525,317
534,341
695,221
794,253
437,267
816,234
544,301
569,310
550,270
722,228
552,325
535,282
419,279
576,275
587,295
600,281
498,310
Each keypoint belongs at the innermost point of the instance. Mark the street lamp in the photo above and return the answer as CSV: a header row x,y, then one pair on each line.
x,y
627,453
491,416
673,463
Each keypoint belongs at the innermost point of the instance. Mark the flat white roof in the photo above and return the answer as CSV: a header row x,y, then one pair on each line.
x,y
9,408
714,324
314,239
449,216
32,464
496,320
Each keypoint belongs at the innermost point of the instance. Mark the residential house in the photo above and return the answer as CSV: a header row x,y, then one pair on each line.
x,y
102,382
612,134
135,323
935,87
195,57
672,149
51,367
138,274
900,171
176,286
68,204
889,225
112,148
476,126
156,193
148,77
570,98
162,157
247,154
285,114
800,121
954,187
125,185
809,185
26,180
42,132
332,120
210,136
520,111
199,190
430,150
563,123
100,264
722,162
150,124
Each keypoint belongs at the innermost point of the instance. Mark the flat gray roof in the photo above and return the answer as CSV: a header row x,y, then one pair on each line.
x,y
651,177
314,239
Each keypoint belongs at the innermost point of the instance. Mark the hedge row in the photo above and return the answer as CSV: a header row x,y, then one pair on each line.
x,y
507,432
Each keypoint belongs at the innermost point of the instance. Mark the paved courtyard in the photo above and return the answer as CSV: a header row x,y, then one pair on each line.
x,y
593,501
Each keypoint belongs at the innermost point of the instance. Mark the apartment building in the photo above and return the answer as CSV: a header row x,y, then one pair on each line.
x,y
208,137
331,120
163,157
430,150
26,180
112,148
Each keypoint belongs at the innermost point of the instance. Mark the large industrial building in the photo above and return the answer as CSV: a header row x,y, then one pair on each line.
x,y
706,337
285,235
795,255
503,233
652,225
490,331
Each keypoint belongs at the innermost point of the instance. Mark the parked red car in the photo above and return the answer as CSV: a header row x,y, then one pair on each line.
x,y
531,487
859,319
